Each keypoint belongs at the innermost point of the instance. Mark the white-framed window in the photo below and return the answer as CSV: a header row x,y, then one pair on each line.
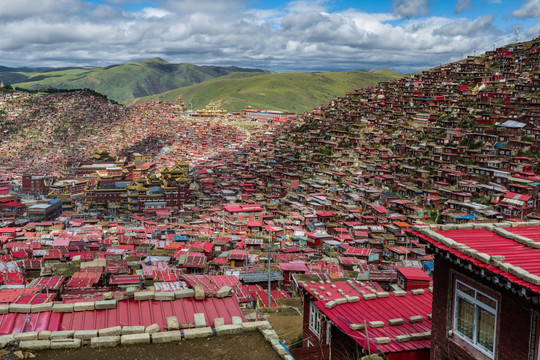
x,y
328,325
401,282
315,319
475,317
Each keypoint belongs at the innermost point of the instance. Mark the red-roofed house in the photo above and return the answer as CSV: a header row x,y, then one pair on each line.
x,y
486,291
237,257
236,217
337,314
292,268
410,278
12,208
513,205
9,231
368,255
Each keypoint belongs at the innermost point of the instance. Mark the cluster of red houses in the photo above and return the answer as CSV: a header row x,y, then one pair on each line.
x,y
399,214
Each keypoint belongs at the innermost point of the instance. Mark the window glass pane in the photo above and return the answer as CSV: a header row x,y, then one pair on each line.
x,y
486,329
486,300
464,288
465,317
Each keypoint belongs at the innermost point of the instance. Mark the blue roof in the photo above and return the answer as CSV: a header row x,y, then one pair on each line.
x,y
466,217
181,238
121,184
259,277
428,264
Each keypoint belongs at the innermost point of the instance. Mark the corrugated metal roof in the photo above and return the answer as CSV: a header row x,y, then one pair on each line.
x,y
384,309
16,323
488,242
131,313
351,261
513,124
127,313
260,277
331,291
212,283
413,273
293,266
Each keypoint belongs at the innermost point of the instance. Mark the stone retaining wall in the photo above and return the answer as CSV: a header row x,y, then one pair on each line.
x,y
131,335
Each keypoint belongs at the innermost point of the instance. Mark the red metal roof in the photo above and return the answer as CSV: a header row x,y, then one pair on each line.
x,y
127,313
49,282
384,309
325,213
354,251
237,254
212,283
195,259
531,232
132,313
351,261
330,291
243,208
488,242
293,266
220,260
83,279
8,296
379,209
16,323
206,246
413,273
516,196
166,275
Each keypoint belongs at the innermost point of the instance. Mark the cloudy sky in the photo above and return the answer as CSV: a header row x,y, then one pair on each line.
x,y
304,35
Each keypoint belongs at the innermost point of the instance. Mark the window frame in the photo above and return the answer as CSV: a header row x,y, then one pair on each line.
x,y
315,320
328,332
457,293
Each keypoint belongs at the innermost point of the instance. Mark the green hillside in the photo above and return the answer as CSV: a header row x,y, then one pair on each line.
x,y
296,92
128,81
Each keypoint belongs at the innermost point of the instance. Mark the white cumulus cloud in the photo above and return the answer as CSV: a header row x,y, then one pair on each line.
x,y
301,36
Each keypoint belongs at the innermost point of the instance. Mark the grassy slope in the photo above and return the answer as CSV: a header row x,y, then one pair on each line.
x,y
128,81
296,92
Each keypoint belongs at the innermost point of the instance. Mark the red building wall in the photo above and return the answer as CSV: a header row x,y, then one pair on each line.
x,y
514,315
33,185
308,335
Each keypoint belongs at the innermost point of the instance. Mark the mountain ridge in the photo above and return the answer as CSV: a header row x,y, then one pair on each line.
x,y
296,91
119,82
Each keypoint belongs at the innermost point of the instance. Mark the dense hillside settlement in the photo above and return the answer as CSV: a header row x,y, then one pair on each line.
x,y
402,219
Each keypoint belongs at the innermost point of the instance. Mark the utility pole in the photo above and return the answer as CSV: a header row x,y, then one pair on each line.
x,y
406,247
246,265
269,282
